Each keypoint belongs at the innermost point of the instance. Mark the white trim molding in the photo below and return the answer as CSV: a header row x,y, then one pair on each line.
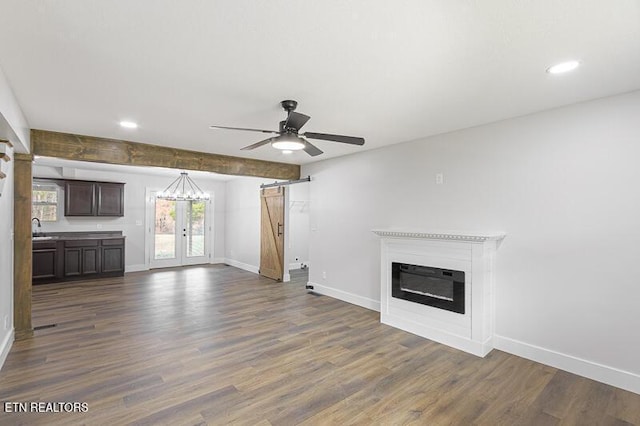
x,y
592,370
5,347
473,237
136,268
345,296
469,252
240,265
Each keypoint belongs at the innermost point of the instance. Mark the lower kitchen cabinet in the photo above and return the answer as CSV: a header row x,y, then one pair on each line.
x,y
112,256
64,260
81,258
47,261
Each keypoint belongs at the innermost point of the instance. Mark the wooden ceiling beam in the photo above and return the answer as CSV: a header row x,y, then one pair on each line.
x,y
112,151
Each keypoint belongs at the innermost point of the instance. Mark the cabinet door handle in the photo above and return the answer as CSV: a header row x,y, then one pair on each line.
x,y
279,231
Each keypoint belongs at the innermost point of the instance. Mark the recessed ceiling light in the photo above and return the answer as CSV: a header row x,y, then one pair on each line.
x,y
287,151
129,124
563,67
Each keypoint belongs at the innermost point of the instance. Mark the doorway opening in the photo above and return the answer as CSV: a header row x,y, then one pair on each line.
x,y
284,231
179,232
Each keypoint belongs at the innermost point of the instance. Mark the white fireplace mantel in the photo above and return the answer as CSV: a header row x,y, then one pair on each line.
x,y
470,252
474,237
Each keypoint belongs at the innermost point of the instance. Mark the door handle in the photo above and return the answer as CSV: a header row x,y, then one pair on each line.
x,y
279,231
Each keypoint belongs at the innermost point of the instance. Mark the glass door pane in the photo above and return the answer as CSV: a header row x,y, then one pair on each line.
x,y
195,228
165,229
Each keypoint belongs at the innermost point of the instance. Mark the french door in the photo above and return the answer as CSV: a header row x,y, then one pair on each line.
x,y
179,232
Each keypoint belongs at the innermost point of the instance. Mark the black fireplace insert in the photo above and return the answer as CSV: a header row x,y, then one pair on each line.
x,y
440,288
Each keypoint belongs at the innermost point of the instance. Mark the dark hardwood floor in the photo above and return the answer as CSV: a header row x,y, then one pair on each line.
x,y
217,345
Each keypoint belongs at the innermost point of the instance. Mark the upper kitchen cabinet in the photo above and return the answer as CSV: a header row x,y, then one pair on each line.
x,y
110,199
79,198
84,198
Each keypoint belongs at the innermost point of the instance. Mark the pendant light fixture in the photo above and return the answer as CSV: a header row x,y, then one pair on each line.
x,y
183,189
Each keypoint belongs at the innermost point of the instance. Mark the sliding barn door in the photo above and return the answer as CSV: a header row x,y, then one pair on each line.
x,y
272,233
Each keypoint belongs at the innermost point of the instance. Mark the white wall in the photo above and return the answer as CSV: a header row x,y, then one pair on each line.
x,y
298,237
13,125
6,262
242,231
132,224
14,128
565,186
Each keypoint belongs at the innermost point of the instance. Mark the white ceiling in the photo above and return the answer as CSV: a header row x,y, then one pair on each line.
x,y
387,71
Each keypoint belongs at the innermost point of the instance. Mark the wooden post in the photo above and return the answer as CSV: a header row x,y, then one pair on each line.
x,y
22,246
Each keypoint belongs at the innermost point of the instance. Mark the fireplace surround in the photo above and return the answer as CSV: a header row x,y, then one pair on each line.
x,y
452,262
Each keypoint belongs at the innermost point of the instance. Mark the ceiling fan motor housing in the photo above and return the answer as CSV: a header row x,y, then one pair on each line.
x,y
289,105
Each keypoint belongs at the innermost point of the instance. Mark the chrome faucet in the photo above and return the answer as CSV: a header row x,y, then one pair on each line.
x,y
39,225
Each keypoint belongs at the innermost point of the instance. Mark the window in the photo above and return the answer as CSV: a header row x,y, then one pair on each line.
x,y
44,201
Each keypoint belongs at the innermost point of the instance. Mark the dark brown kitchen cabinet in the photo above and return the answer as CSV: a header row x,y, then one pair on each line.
x,y
76,259
79,198
81,258
85,198
47,261
110,199
112,256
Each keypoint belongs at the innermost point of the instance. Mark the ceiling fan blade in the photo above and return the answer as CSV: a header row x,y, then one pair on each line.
x,y
257,144
310,149
244,129
336,138
296,120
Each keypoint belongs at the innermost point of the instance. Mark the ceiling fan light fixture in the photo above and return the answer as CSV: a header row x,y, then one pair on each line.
x,y
288,142
288,145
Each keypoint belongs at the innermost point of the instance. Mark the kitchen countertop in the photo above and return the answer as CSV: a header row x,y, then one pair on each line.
x,y
48,236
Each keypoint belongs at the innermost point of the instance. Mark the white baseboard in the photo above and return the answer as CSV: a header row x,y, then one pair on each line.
x,y
592,370
136,268
286,277
354,299
217,260
245,266
5,347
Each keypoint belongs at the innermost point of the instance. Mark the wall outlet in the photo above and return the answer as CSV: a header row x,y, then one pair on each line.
x,y
99,226
439,178
324,275
6,322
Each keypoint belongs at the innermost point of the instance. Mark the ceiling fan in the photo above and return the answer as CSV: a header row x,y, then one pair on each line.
x,y
289,137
